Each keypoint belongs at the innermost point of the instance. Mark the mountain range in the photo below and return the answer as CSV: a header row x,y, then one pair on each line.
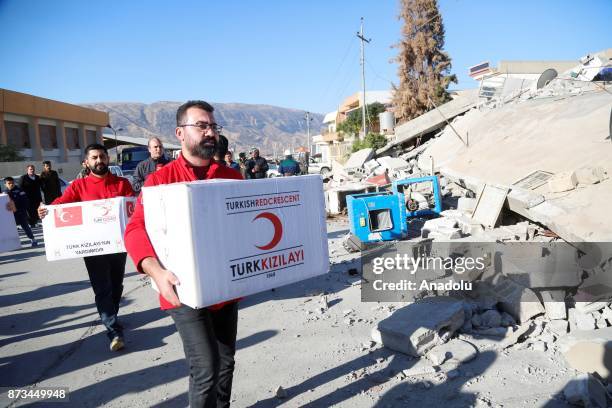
x,y
270,128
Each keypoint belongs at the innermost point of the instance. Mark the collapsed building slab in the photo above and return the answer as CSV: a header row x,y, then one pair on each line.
x,y
417,328
435,119
556,135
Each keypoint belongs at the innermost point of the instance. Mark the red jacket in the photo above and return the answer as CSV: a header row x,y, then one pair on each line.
x,y
95,188
136,239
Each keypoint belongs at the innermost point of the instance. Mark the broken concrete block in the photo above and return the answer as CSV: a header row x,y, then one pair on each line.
x,y
600,322
476,320
444,234
517,335
580,321
558,327
518,301
456,351
358,159
490,318
590,307
393,163
369,166
554,304
607,314
507,320
418,327
587,391
494,331
466,205
435,223
591,175
562,182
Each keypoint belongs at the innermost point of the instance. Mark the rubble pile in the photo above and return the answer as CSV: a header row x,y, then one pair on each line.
x,y
535,170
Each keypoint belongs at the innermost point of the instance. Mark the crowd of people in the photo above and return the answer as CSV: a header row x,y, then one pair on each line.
x,y
208,334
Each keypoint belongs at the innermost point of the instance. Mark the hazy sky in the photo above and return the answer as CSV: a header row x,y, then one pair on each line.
x,y
294,54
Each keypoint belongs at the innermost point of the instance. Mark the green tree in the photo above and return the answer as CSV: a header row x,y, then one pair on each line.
x,y
424,68
10,153
372,140
352,124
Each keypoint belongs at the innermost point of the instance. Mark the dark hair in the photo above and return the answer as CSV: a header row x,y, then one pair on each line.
x,y
30,165
180,112
9,178
95,146
47,162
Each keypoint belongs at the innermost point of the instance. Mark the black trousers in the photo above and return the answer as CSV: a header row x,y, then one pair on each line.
x,y
209,342
106,276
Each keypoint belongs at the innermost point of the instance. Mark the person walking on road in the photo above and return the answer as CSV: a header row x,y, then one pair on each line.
x,y
30,183
105,272
50,183
155,162
19,208
208,334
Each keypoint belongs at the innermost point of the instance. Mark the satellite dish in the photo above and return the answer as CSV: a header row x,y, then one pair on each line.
x,y
546,77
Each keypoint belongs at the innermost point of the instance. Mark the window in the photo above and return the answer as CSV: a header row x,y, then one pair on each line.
x,y
48,138
90,136
17,134
72,138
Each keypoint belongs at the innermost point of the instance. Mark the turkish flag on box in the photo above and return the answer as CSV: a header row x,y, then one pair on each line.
x,y
87,228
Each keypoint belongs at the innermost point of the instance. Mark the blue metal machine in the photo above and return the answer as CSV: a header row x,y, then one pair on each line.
x,y
383,216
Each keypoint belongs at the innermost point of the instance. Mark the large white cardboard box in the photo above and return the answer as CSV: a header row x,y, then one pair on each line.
x,y
225,239
86,228
9,237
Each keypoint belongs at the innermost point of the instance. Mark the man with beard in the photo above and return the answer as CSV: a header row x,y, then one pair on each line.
x,y
31,185
105,271
50,182
155,162
208,334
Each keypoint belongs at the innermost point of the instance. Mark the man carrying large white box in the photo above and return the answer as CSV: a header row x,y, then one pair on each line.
x,y
105,271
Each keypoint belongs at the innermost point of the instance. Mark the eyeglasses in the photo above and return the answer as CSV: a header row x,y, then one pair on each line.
x,y
203,126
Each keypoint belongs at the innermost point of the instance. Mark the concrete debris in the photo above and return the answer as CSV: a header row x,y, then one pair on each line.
x,y
591,175
563,182
393,163
520,302
554,304
590,307
490,318
358,159
507,320
585,390
489,204
420,326
580,320
369,166
558,327
518,335
467,205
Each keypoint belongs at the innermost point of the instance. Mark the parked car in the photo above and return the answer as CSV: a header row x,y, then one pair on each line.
x,y
316,166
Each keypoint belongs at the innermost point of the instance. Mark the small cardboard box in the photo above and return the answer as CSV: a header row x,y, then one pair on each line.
x,y
225,239
86,228
9,237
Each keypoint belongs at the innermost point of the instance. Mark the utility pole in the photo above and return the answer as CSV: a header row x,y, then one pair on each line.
x,y
308,120
363,107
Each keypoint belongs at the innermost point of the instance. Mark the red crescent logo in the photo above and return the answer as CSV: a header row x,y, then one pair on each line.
x,y
278,230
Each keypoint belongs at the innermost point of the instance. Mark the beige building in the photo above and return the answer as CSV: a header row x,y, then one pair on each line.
x,y
44,129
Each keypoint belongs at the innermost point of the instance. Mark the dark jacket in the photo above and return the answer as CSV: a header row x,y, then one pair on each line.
x,y
263,168
32,189
145,168
289,167
234,165
51,186
20,199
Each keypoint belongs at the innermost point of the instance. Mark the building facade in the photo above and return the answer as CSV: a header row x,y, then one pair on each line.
x,y
44,129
